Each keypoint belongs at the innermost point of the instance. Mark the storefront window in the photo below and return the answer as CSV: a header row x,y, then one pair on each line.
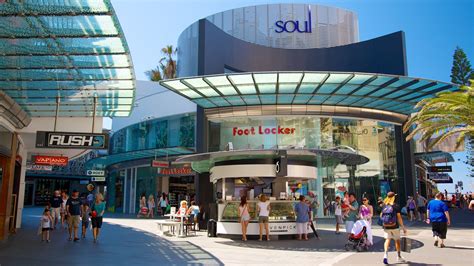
x,y
375,140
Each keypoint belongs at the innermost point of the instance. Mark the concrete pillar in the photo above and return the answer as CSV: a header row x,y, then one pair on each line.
x,y
7,189
21,192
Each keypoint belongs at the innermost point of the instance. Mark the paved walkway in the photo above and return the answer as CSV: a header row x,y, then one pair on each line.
x,y
127,240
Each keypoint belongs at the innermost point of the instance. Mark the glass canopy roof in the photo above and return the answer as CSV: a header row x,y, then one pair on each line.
x,y
73,51
397,94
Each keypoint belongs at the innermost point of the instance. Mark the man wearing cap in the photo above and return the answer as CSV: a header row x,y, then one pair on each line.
x,y
392,221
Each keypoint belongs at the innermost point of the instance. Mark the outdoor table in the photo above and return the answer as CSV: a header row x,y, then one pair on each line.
x,y
181,216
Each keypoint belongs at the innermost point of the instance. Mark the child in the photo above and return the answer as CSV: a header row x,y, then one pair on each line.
x,y
85,210
345,205
46,225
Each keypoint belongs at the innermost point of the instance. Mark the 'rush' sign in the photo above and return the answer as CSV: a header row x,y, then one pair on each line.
x,y
294,25
70,140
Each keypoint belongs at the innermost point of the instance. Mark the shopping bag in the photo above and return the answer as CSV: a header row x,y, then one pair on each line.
x,y
168,208
40,230
405,243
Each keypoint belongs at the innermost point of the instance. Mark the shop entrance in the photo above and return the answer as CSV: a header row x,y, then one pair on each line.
x,y
29,193
181,188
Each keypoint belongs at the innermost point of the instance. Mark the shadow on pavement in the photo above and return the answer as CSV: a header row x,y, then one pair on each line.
x,y
118,246
329,242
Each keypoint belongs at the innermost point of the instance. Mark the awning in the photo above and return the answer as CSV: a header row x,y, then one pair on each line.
x,y
435,157
74,51
203,162
398,94
105,161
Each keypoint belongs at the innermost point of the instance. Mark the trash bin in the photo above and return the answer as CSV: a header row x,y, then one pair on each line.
x,y
212,228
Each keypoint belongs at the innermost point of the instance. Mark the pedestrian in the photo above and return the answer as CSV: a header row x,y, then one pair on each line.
x,y
338,214
263,210
366,212
193,212
438,216
56,202
391,222
352,210
421,204
244,216
302,218
63,212
85,217
98,210
445,194
163,203
151,206
46,225
73,210
411,207
143,210
312,217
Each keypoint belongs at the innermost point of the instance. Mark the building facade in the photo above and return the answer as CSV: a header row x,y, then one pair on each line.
x,y
287,78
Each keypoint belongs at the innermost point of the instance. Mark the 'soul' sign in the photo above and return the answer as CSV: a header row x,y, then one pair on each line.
x,y
294,25
263,131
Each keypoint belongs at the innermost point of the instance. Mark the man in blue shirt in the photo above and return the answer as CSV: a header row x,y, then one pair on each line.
x,y
438,216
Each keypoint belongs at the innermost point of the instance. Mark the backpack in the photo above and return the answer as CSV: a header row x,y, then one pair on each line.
x,y
389,217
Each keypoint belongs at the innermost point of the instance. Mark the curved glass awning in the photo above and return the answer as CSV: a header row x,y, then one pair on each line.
x,y
203,162
73,51
391,93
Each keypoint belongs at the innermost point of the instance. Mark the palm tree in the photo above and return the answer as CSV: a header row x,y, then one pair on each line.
x,y
448,114
166,68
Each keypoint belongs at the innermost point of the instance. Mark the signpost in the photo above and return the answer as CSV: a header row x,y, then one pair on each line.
x,y
160,164
95,172
440,178
440,169
51,160
98,178
35,167
71,140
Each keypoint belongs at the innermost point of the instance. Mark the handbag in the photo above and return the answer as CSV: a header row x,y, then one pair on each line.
x,y
405,244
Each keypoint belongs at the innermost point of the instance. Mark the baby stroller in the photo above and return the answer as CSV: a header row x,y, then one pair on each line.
x,y
358,237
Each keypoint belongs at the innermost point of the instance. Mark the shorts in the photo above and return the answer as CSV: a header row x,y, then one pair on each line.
x,y
56,213
46,229
439,229
85,223
392,234
96,222
245,218
339,219
73,220
349,225
263,219
422,209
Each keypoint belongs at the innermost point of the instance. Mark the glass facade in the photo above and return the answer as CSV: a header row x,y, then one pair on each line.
x,y
132,176
172,131
375,140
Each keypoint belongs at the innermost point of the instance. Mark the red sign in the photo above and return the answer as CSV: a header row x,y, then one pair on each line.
x,y
176,171
263,131
161,164
51,160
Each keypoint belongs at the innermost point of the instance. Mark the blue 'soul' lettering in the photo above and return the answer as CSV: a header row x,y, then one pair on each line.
x,y
294,25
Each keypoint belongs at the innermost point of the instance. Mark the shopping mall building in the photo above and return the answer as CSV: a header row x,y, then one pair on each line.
x,y
279,99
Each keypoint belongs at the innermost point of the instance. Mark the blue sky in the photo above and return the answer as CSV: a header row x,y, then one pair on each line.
x,y
433,28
